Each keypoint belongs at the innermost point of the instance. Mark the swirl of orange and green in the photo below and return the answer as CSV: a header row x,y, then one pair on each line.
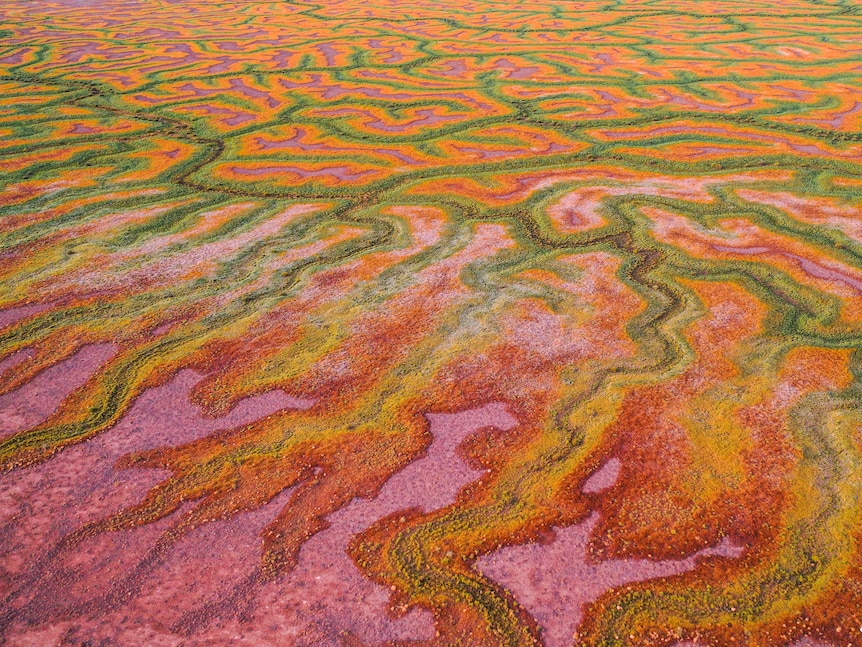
x,y
635,225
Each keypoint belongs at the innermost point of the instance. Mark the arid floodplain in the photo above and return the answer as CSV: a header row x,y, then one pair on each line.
x,y
423,323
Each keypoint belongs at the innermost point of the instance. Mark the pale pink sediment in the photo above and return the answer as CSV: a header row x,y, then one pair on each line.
x,y
108,223
490,154
802,642
149,590
11,316
425,117
11,361
16,58
579,210
338,172
43,503
330,53
75,54
689,129
556,582
601,295
155,269
298,142
515,71
838,121
35,401
225,63
207,221
697,151
812,268
82,129
818,211
234,117
454,68
603,478
114,587
326,594
338,91
239,85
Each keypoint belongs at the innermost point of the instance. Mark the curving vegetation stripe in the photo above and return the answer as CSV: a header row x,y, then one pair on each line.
x,y
637,225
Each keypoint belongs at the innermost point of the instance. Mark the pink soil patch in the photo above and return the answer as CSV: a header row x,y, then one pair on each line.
x,y
802,642
161,329
721,150
227,62
316,82
455,68
154,269
339,172
811,210
338,91
714,130
604,477
243,88
77,53
32,403
433,482
16,58
580,210
330,52
234,117
326,595
809,267
81,129
144,586
427,117
11,316
838,121
296,142
515,71
282,60
489,154
556,582
42,504
10,362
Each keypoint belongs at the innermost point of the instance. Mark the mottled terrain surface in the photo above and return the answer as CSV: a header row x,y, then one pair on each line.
x,y
431,323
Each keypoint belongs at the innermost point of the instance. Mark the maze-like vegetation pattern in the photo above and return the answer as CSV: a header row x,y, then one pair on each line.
x,y
594,266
